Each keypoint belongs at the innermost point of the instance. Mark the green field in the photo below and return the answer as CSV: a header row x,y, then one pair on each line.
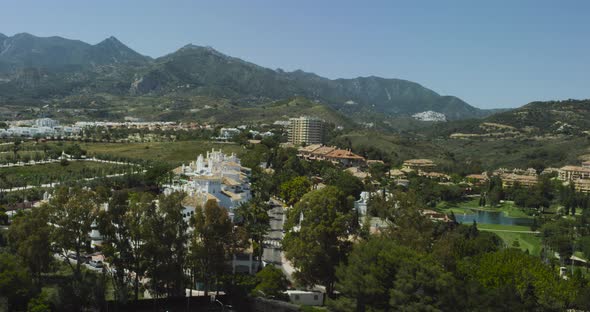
x,y
55,172
173,153
509,234
502,227
526,241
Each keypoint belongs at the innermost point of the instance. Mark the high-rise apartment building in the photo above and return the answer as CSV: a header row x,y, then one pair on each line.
x,y
306,130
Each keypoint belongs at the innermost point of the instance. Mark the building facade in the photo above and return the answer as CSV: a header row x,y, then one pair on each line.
x,y
332,154
569,173
306,130
419,164
217,176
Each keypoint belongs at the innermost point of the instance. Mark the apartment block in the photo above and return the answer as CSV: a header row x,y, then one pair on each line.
x,y
306,130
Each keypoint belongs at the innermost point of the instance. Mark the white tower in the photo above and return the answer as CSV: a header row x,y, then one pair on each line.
x,y
200,164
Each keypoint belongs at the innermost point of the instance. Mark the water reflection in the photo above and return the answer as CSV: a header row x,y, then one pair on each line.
x,y
491,217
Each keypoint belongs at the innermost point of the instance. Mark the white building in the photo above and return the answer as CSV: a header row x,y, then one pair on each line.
x,y
216,176
39,131
228,133
46,122
361,205
304,297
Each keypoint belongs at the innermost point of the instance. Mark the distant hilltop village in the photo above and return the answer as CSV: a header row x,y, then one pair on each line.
x,y
47,127
38,128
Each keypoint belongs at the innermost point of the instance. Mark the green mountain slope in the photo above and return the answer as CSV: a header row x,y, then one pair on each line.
x,y
203,70
552,118
42,68
27,51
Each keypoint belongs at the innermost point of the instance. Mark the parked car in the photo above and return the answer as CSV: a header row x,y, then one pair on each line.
x,y
96,264
81,258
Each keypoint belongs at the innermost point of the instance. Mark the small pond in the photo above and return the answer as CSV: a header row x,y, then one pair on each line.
x,y
491,217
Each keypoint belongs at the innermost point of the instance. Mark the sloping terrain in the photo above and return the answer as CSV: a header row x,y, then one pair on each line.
x,y
34,70
536,119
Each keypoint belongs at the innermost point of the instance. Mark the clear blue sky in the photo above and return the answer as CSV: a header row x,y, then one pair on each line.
x,y
489,53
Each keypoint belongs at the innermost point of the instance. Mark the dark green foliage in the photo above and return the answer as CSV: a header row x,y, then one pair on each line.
x,y
210,244
325,221
584,244
463,242
495,191
39,304
74,151
346,182
559,237
29,238
382,275
87,293
292,190
271,283
120,228
534,282
166,239
15,282
253,216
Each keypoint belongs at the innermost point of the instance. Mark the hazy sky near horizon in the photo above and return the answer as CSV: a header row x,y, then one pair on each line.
x,y
489,53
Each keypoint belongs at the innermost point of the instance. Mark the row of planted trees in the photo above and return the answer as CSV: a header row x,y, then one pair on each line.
x,y
62,174
148,241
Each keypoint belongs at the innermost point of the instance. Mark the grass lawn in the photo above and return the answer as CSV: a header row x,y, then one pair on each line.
x,y
501,227
529,242
526,241
171,152
55,172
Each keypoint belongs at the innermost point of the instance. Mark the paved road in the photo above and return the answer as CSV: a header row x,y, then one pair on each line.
x,y
272,242
273,252
60,257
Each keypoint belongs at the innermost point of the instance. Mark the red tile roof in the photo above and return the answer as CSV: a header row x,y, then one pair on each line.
x,y
344,154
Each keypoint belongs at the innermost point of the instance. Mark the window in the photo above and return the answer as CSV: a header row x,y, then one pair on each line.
x,y
296,297
315,297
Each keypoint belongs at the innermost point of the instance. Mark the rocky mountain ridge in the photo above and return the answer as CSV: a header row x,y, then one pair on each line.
x,y
50,67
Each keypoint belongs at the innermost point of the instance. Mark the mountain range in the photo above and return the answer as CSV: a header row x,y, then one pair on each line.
x,y
37,68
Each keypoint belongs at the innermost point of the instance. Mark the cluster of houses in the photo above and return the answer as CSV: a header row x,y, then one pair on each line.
x,y
578,175
422,167
47,127
316,152
146,125
149,125
525,177
226,134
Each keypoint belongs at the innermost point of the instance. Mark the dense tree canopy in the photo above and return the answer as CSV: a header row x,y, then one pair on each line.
x,y
319,226
210,242
28,236
527,275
